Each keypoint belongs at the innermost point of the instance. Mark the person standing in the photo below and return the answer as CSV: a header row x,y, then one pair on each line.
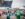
x,y
18,14
24,14
8,16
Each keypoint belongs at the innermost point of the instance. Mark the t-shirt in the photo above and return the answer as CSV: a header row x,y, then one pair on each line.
x,y
7,14
18,13
12,11
8,0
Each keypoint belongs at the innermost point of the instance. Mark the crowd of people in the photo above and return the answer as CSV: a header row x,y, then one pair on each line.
x,y
18,13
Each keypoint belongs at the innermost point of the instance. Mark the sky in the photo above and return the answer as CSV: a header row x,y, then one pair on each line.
x,y
18,3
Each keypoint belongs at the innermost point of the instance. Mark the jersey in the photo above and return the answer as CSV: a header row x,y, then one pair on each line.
x,y
18,13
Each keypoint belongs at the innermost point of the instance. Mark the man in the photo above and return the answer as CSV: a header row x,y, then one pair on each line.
x,y
12,12
8,16
18,14
23,13
7,3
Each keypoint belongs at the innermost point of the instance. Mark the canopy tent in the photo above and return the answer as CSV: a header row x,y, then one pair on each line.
x,y
2,11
